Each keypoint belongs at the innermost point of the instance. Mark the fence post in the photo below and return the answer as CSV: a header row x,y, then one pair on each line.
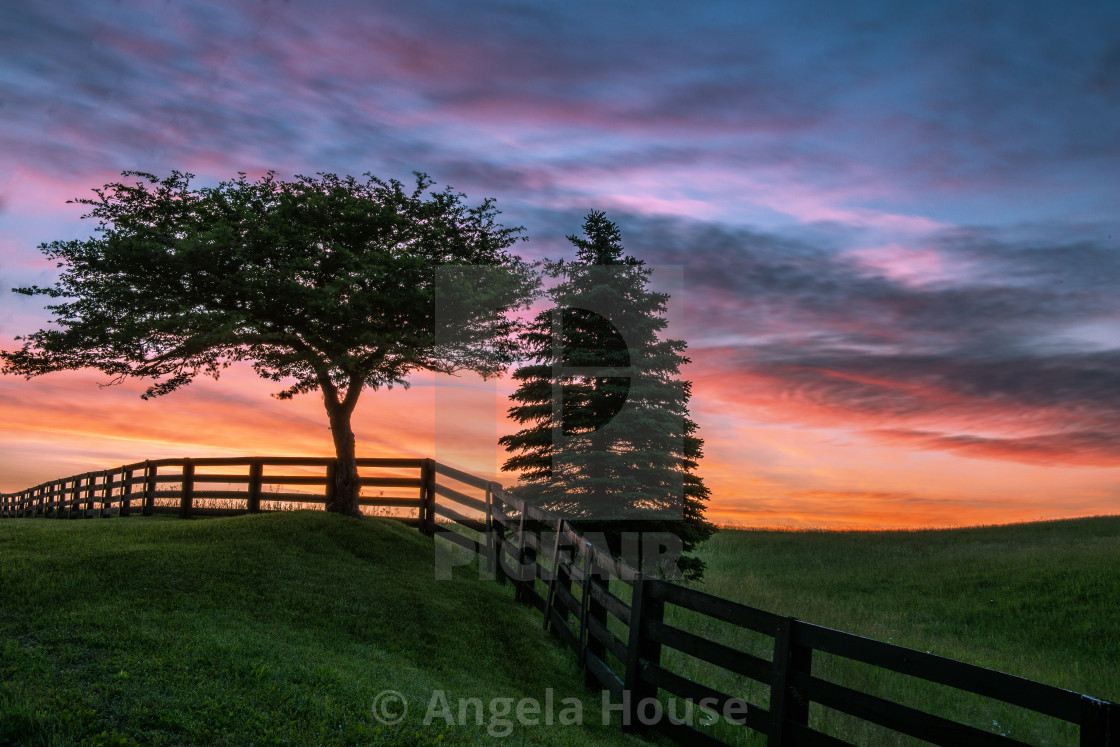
x,y
186,501
491,545
149,488
787,706
520,595
498,537
639,648
256,477
1100,723
550,598
593,610
75,496
126,492
332,472
92,481
106,494
428,497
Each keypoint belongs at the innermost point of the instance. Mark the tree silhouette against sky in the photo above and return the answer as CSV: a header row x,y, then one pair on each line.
x,y
322,283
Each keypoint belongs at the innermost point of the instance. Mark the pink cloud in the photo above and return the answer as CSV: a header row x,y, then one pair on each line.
x,y
914,267
916,414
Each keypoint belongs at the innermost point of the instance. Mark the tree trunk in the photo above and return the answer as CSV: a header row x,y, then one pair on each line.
x,y
342,498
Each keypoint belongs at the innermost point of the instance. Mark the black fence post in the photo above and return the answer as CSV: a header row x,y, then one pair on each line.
x,y
639,649
491,545
523,584
75,496
593,611
1100,723
106,494
150,471
550,597
186,501
428,497
126,492
91,482
256,477
787,705
497,536
332,473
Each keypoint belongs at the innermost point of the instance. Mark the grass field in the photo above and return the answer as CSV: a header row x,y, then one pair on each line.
x,y
270,629
1041,601
283,628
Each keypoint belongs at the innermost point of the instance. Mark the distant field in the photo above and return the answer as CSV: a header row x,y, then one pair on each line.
x,y
1041,601
259,630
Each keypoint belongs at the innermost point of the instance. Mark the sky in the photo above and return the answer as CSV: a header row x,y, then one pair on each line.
x,y
895,225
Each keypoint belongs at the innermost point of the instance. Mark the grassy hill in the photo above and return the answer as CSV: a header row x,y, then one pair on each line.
x,y
1041,601
284,628
269,629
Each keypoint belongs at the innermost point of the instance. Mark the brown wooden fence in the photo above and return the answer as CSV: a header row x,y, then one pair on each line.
x,y
611,615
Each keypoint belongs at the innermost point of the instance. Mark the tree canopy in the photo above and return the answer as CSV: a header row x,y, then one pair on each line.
x,y
322,283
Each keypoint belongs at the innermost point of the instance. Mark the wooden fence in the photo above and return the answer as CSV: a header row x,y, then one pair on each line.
x,y
186,487
609,613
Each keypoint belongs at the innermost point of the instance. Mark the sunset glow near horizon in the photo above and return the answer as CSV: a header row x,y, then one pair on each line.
x,y
897,224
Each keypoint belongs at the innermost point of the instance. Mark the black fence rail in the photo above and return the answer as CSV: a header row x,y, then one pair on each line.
x,y
612,615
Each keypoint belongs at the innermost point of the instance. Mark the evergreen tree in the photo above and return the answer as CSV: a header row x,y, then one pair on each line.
x,y
607,441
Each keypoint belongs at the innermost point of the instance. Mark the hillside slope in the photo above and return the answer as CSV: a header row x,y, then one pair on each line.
x,y
267,629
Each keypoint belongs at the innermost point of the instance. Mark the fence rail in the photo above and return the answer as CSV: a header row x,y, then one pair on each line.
x,y
619,638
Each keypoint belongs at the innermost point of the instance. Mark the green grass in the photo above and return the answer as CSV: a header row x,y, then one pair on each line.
x,y
283,628
1041,601
270,629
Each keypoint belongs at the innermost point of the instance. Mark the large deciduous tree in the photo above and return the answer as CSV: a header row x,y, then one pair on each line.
x,y
609,442
322,283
